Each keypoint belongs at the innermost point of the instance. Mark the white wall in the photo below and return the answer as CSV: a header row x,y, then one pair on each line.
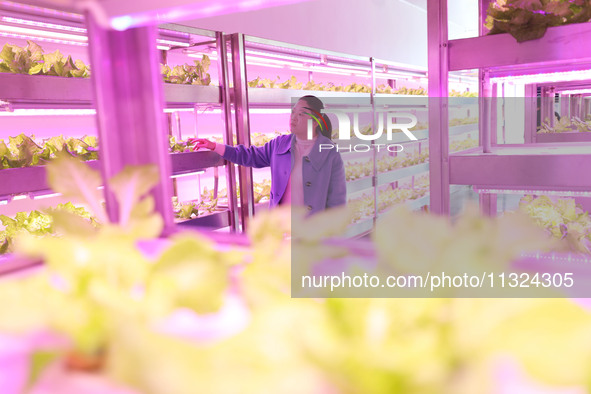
x,y
393,30
386,29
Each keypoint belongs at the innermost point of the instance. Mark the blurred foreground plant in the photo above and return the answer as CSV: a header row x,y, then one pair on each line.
x,y
108,298
96,280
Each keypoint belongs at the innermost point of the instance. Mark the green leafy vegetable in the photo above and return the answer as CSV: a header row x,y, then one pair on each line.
x,y
37,223
563,219
32,60
187,74
23,151
528,19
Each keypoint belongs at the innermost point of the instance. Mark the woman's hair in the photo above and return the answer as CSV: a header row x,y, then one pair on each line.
x,y
323,126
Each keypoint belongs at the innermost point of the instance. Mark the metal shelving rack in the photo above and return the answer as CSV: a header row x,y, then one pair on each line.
x,y
283,98
26,91
574,102
508,167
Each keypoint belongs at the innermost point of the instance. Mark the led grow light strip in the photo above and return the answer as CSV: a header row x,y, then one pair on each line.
x,y
575,91
252,60
69,112
173,43
553,256
48,112
265,111
18,21
563,76
187,174
305,64
37,38
43,33
58,37
35,9
281,56
42,196
536,192
272,63
172,110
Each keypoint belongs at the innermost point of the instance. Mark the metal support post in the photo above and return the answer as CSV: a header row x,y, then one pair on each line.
x,y
242,125
484,118
531,114
438,66
222,49
129,101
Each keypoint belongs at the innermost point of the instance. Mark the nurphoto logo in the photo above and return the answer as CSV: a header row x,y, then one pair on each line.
x,y
388,121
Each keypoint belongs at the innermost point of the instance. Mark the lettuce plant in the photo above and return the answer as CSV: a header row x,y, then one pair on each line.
x,y
528,19
32,60
23,151
187,74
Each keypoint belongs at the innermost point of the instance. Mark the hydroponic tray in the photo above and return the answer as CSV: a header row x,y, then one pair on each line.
x,y
33,179
559,44
574,136
532,166
216,220
384,178
33,89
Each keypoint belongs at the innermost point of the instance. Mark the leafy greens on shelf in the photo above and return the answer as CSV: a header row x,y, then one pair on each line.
x,y
188,209
562,218
528,19
32,60
187,74
23,151
292,83
36,223
363,207
565,124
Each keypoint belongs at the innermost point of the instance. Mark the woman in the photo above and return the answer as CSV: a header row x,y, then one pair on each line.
x,y
301,173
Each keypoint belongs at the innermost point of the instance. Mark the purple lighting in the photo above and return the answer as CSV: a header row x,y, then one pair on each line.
x,y
121,19
42,24
46,11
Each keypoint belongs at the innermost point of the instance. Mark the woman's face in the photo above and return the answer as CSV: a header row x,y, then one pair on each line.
x,y
299,120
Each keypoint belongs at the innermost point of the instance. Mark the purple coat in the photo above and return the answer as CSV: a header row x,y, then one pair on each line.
x,y
323,171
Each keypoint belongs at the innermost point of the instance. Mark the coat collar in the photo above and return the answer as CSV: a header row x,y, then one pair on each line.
x,y
317,158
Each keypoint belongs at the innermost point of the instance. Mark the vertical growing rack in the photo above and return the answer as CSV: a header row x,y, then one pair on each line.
x,y
118,147
272,59
492,167
569,100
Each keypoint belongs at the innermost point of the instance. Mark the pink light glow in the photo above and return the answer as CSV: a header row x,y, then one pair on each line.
x,y
305,58
42,24
173,43
188,174
42,10
576,91
48,112
44,39
69,112
537,192
303,66
42,196
57,37
545,77
266,111
121,18
42,33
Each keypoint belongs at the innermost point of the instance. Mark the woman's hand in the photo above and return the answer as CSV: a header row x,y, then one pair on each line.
x,y
201,143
